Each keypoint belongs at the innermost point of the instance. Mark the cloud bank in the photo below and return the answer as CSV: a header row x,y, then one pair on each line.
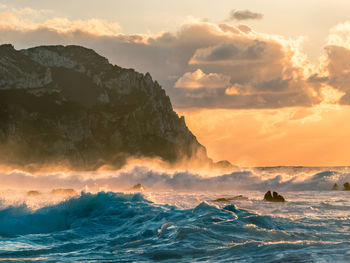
x,y
202,64
28,19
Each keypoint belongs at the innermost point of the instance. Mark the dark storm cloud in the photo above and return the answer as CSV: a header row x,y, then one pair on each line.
x,y
274,85
244,15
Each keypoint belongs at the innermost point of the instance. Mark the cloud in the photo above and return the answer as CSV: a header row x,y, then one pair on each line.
x,y
28,19
270,86
245,15
234,89
334,69
229,52
340,35
98,27
198,79
216,66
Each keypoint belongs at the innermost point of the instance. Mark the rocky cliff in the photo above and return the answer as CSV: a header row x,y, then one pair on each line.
x,y
68,105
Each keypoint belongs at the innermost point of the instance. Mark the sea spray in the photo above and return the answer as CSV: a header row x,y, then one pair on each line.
x,y
282,178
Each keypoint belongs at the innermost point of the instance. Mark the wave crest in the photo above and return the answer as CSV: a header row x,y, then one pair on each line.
x,y
263,179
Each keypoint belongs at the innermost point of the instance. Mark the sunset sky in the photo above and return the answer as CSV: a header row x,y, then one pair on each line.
x,y
260,83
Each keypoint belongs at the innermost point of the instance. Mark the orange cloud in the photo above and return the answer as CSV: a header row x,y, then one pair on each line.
x,y
340,35
98,27
28,19
334,69
198,79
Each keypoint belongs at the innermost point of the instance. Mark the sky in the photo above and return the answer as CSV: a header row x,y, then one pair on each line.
x,y
260,83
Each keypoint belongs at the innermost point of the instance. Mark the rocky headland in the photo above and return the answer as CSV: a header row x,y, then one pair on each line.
x,y
67,105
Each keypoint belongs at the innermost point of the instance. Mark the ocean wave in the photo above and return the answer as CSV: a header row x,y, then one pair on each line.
x,y
118,226
70,214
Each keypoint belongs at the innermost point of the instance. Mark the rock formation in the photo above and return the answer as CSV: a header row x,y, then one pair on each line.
x,y
67,105
229,199
275,197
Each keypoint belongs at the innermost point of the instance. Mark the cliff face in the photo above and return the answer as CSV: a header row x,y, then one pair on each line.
x,y
69,105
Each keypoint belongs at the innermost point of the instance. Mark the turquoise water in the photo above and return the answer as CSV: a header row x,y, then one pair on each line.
x,y
181,226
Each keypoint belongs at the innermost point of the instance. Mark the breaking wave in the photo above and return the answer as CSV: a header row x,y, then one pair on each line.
x,y
282,178
121,227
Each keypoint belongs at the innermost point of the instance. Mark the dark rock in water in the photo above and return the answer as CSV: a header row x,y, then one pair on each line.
x,y
275,197
67,105
61,191
237,197
335,187
346,186
138,187
33,193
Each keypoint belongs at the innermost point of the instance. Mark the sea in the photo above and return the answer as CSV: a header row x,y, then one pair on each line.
x,y
180,216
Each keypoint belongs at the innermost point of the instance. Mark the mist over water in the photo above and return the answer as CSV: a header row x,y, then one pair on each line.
x,y
156,179
175,218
